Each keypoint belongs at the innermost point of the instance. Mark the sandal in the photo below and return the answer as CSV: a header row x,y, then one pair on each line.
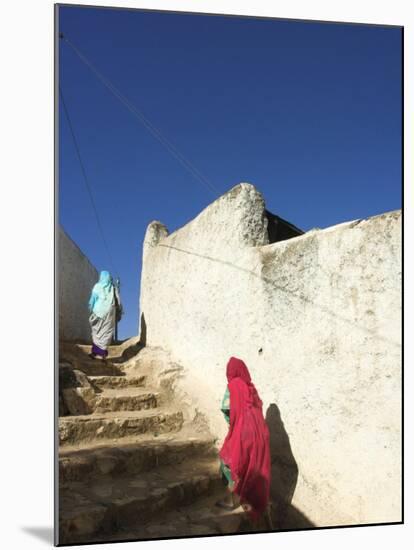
x,y
226,505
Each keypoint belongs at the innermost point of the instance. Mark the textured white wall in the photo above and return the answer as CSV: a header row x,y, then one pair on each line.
x,y
324,309
76,278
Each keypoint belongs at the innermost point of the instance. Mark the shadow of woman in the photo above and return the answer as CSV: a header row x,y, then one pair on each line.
x,y
284,475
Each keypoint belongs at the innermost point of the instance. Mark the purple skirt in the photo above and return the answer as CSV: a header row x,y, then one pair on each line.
x,y
96,350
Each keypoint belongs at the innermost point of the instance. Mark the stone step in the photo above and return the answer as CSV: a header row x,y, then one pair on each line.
x,y
96,367
113,382
114,425
131,458
89,399
200,518
105,507
117,352
125,399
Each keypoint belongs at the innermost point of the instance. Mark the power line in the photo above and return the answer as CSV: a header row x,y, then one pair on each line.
x,y
145,122
86,181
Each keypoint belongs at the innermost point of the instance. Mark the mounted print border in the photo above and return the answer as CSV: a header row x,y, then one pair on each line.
x,y
252,381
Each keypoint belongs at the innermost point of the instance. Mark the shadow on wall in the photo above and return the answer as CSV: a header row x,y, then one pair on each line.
x,y
143,331
132,351
284,476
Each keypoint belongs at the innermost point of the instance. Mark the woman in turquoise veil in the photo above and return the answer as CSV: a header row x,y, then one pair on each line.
x,y
103,306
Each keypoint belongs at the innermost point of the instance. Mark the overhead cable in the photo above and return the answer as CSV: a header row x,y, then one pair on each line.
x,y
85,177
145,121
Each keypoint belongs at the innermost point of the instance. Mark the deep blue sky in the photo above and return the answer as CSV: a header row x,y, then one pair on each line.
x,y
310,113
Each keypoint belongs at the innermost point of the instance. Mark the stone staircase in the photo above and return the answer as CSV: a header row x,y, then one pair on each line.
x,y
133,463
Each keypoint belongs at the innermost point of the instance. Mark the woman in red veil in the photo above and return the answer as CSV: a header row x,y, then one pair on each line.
x,y
245,454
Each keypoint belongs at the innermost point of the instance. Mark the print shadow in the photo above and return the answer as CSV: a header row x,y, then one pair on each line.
x,y
44,534
284,476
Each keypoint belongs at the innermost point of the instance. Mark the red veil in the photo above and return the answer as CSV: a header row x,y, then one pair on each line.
x,y
246,448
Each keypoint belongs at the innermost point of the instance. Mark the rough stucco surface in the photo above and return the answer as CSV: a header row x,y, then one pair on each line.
x,y
76,279
325,311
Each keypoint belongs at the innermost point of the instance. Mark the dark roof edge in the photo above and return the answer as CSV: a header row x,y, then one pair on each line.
x,y
293,227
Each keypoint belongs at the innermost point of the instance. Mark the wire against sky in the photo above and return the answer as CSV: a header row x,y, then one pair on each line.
x,y
189,166
88,187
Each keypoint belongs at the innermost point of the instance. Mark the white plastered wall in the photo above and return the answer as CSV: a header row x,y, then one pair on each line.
x,y
316,318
